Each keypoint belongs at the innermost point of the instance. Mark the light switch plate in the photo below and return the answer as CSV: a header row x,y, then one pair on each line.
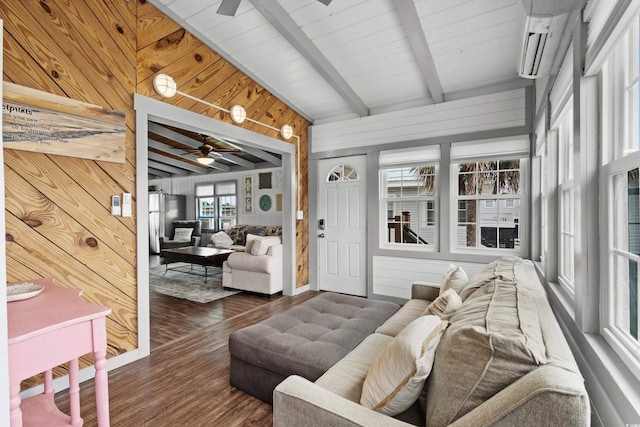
x,y
115,205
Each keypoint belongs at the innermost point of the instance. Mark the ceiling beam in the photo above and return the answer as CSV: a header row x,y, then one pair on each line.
x,y
418,40
263,155
160,165
289,29
158,173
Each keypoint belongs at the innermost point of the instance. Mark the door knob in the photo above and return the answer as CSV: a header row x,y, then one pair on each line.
x,y
321,235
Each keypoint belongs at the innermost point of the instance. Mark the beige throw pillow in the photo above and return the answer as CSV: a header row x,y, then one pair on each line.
x,y
444,306
221,239
455,278
182,234
397,376
261,245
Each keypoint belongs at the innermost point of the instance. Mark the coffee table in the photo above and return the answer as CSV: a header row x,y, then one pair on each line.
x,y
206,257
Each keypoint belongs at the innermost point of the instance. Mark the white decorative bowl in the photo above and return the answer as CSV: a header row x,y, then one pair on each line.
x,y
21,291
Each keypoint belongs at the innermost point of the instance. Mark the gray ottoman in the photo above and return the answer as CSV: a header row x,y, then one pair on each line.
x,y
305,340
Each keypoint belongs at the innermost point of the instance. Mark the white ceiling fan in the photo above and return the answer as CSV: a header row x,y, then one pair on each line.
x,y
230,7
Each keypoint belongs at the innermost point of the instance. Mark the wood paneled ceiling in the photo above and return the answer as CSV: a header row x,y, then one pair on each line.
x,y
359,58
356,58
173,152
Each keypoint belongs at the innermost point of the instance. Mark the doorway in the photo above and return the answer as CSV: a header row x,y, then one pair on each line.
x,y
148,109
342,230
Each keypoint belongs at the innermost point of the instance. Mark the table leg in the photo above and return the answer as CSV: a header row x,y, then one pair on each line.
x,y
101,379
74,392
205,274
14,404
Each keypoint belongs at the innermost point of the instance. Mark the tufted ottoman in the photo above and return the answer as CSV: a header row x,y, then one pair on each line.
x,y
305,340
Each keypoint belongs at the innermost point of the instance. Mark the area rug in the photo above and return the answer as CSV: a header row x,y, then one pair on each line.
x,y
186,281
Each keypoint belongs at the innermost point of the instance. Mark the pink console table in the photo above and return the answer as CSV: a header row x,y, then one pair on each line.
x,y
45,331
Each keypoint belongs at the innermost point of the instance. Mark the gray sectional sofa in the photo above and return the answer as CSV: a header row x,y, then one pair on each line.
x,y
502,361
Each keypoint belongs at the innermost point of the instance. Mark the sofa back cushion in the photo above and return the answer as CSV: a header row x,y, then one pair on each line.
x,y
495,338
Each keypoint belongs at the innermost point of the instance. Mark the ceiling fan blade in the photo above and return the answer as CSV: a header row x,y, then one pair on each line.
x,y
325,2
228,7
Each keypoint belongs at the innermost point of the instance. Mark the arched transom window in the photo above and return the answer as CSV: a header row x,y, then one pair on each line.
x,y
342,173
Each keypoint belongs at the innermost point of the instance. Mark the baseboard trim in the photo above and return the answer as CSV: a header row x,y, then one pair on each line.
x,y
301,289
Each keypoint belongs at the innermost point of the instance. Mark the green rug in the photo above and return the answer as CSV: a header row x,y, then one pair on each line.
x,y
186,281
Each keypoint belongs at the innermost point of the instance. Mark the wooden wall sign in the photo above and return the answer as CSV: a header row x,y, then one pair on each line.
x,y
33,120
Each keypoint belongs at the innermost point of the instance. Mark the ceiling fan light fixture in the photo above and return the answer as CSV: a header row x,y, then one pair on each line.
x,y
238,114
205,160
165,85
286,131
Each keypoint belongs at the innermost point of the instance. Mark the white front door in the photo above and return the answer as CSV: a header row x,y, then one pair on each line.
x,y
342,230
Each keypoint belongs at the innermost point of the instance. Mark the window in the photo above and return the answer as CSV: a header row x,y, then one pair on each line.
x,y
409,198
566,269
621,180
217,203
489,194
411,204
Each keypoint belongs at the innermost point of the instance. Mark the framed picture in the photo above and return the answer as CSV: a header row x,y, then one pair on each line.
x,y
264,180
248,194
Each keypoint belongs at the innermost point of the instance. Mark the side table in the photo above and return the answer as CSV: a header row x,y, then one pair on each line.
x,y
45,331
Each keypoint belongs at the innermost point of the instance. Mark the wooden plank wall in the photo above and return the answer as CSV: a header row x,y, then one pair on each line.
x,y
58,220
481,113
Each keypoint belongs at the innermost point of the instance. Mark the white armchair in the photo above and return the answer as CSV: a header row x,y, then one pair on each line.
x,y
258,268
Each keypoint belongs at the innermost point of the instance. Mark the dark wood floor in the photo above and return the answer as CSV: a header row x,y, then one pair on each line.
x,y
185,380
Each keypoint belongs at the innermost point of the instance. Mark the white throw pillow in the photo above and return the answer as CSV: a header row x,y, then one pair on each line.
x,y
221,239
182,234
455,278
397,376
444,306
261,245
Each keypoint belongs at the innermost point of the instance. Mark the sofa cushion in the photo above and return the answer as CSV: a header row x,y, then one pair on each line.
x,y
346,377
409,312
455,278
501,267
261,245
444,306
495,338
397,376
221,239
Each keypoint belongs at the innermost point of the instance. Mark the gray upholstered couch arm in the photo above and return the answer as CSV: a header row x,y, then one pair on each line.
x,y
425,290
548,396
299,402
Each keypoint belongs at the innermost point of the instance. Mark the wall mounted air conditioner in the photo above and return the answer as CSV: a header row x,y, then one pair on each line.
x,y
536,39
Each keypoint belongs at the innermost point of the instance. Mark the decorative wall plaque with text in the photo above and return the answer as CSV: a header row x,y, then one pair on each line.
x,y
41,122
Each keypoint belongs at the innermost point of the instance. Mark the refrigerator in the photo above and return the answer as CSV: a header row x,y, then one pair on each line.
x,y
163,210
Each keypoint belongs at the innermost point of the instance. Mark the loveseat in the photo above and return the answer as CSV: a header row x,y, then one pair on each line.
x,y
257,268
502,361
235,238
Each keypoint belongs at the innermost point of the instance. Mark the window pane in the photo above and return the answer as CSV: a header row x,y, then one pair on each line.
x,y
206,207
627,241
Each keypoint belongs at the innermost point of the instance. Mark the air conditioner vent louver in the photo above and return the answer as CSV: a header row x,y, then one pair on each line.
x,y
534,41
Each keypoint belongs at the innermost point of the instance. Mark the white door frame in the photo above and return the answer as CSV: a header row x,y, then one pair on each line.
x,y
150,109
313,185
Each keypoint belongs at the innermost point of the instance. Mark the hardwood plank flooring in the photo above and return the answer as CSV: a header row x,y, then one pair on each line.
x,y
185,380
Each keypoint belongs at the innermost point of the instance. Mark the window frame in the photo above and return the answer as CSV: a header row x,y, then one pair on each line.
x,y
455,199
216,221
385,200
620,103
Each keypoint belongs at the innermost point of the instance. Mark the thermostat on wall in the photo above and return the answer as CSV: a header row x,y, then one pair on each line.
x,y
115,205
